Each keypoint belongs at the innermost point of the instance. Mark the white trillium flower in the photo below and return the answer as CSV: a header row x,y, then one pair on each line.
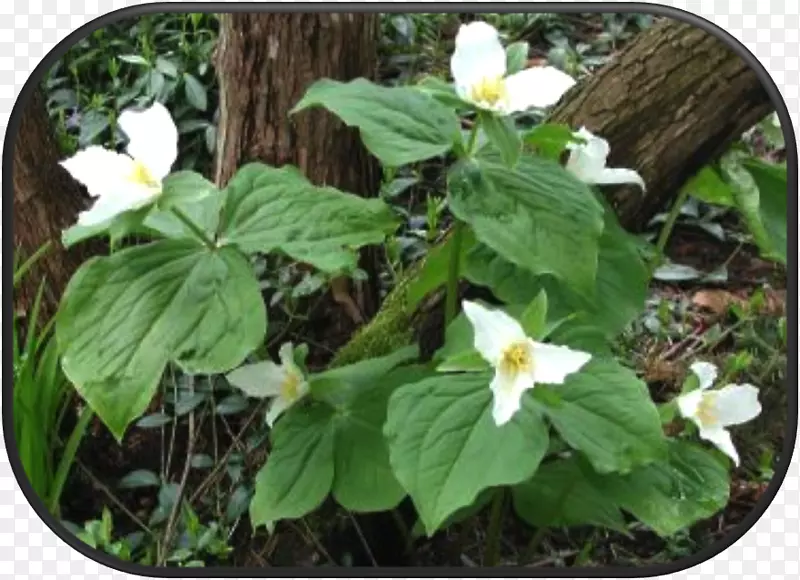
x,y
715,410
519,361
587,162
284,383
124,182
478,66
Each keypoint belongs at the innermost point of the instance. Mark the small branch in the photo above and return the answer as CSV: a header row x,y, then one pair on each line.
x,y
363,539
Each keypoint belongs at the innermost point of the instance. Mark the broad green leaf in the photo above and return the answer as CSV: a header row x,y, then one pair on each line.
x,y
124,317
565,492
195,92
670,496
536,216
116,228
445,447
443,92
466,361
299,471
534,317
708,186
398,125
268,209
764,213
606,412
550,140
434,270
501,133
185,187
204,213
620,285
771,180
516,57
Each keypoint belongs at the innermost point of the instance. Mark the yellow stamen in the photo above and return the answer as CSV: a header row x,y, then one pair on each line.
x,y
141,175
489,90
706,413
516,359
290,387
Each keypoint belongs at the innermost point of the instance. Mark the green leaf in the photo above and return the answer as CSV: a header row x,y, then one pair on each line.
x,y
445,447
195,92
398,125
139,478
771,181
536,216
299,471
762,216
550,140
670,496
185,187
502,134
564,492
516,57
606,412
268,209
124,317
466,361
116,228
433,272
204,212
708,186
534,317
443,92
620,287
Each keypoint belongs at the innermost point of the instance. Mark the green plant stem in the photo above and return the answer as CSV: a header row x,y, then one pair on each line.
x,y
473,137
67,459
451,298
533,545
493,534
669,224
193,227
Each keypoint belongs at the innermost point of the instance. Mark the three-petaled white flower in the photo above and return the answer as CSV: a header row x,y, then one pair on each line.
x,y
478,66
124,182
284,383
519,361
587,162
714,410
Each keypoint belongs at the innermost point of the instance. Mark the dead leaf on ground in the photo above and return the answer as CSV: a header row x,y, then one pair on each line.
x,y
716,300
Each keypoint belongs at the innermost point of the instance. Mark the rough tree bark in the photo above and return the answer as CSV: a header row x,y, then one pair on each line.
x,y
46,201
672,101
265,62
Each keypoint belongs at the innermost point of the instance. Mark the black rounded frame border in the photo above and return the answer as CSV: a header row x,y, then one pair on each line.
x,y
452,572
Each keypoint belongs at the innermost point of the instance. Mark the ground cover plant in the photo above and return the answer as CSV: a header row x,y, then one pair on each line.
x,y
578,393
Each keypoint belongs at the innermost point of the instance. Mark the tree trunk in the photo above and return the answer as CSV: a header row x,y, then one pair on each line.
x,y
265,62
670,103
46,201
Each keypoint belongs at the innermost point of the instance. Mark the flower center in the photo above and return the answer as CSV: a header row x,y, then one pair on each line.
x,y
489,90
705,410
516,359
290,387
142,176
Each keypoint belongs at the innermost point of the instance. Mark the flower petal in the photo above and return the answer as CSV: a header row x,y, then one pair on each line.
x,y
705,372
540,87
101,170
736,404
109,206
689,403
587,160
507,391
276,408
152,138
552,363
260,380
494,330
614,176
720,437
478,55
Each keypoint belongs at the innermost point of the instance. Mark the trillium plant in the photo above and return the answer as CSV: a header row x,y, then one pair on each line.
x,y
524,401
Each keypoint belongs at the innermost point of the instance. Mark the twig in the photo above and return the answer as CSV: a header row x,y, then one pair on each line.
x,y
221,465
308,535
170,529
363,539
112,498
